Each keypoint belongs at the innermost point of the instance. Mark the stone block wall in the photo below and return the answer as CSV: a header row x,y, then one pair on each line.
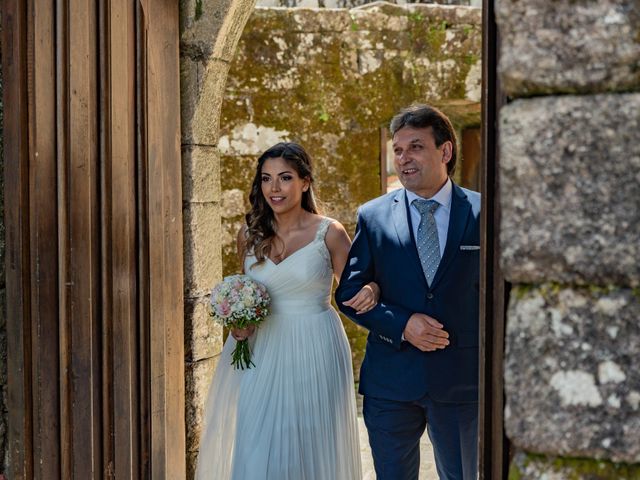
x,y
355,3
570,236
209,32
331,79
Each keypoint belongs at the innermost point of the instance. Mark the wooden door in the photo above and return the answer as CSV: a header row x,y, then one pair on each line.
x,y
93,216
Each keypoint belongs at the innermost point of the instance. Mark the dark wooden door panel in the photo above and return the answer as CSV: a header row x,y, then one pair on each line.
x,y
119,246
16,199
93,215
81,280
165,240
493,453
43,241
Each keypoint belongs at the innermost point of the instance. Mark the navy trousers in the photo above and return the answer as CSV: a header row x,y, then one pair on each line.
x,y
395,429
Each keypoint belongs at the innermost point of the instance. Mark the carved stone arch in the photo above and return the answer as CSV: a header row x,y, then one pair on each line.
x,y
210,31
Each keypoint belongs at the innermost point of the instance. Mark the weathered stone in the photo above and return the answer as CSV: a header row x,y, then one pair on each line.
x,y
201,95
536,467
210,29
250,140
200,174
320,21
352,3
233,203
374,14
198,379
571,378
190,86
380,16
203,336
568,46
202,266
570,189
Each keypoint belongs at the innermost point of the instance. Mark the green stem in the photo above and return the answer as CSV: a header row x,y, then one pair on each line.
x,y
241,355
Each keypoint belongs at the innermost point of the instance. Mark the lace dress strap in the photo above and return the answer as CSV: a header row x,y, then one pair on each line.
x,y
319,240
322,228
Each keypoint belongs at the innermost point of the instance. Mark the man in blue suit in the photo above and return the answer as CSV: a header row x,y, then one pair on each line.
x,y
421,245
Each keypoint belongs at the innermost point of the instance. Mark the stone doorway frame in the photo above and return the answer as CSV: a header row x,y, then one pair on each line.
x,y
200,109
201,116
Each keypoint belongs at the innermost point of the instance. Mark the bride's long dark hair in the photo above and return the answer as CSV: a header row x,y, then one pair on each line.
x,y
261,224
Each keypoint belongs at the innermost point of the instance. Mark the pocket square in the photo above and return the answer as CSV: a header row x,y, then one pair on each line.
x,y
469,247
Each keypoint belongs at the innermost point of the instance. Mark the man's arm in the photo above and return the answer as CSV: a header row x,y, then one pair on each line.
x,y
385,320
388,321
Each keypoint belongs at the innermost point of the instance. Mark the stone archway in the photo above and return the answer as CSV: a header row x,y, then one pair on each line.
x,y
210,30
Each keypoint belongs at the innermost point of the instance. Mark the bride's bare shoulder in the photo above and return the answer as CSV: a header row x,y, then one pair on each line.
x,y
336,233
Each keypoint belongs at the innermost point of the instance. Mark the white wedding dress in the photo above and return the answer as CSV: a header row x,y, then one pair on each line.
x,y
293,415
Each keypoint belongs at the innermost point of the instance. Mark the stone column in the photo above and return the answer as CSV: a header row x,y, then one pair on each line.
x,y
570,190
210,30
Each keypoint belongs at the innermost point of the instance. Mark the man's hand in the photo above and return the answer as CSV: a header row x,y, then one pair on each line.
x,y
425,333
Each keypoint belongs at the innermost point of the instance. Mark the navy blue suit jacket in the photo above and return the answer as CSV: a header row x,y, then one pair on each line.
x,y
384,251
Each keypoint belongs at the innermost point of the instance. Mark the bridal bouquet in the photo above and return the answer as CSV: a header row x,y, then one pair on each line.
x,y
238,301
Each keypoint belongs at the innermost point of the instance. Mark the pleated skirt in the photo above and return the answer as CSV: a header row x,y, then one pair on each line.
x,y
293,415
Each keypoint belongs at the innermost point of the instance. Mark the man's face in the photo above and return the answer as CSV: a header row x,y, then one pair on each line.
x,y
420,165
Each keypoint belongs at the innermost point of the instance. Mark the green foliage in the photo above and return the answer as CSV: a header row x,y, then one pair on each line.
x,y
551,289
471,58
521,290
354,27
323,115
198,13
514,472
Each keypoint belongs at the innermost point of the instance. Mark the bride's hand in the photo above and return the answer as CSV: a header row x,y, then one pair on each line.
x,y
243,333
365,299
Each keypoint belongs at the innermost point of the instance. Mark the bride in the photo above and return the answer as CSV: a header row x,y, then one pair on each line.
x,y
293,415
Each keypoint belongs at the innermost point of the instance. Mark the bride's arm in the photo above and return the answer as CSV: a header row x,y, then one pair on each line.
x,y
241,245
338,244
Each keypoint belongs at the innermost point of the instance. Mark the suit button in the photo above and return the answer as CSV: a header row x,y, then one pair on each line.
x,y
429,295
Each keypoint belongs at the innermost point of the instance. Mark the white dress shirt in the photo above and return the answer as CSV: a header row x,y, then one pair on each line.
x,y
441,215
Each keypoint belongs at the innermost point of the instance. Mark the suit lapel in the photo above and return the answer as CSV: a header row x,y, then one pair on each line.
x,y
402,224
460,208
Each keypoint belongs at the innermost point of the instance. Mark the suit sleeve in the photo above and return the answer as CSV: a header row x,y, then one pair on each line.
x,y
385,320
